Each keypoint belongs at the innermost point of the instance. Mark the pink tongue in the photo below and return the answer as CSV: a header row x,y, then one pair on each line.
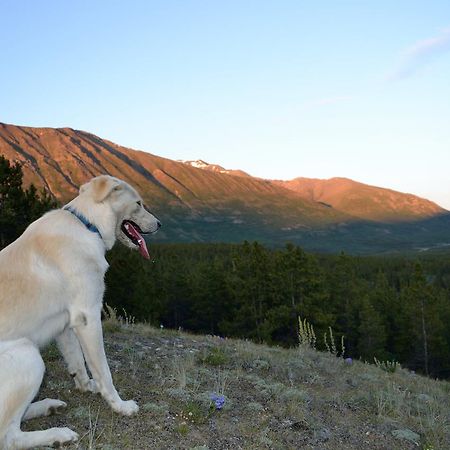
x,y
140,240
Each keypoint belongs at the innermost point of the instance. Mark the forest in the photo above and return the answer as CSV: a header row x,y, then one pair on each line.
x,y
390,307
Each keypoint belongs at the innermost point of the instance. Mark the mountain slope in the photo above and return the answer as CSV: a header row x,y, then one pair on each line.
x,y
208,205
362,200
200,164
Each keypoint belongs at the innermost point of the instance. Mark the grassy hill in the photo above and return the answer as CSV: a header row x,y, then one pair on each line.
x,y
273,398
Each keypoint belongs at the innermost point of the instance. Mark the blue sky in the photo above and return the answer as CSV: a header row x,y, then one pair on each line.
x,y
277,88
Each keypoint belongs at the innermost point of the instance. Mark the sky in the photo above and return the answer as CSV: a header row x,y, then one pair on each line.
x,y
280,88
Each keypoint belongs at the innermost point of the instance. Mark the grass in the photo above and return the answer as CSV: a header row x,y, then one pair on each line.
x,y
273,398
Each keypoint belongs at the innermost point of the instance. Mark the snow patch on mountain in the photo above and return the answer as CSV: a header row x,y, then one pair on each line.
x,y
200,164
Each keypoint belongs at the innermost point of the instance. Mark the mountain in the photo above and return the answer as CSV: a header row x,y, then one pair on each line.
x,y
362,200
354,198
200,164
212,204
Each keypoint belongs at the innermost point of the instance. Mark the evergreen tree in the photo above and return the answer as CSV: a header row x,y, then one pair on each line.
x,y
210,295
388,308
302,292
18,207
372,333
253,290
346,289
423,330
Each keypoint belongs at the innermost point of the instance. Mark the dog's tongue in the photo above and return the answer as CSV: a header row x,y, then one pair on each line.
x,y
140,240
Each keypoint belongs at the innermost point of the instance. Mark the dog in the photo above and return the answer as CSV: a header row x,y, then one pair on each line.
x,y
51,287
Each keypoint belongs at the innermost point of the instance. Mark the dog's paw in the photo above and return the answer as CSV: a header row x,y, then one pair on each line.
x,y
127,408
53,406
61,436
45,407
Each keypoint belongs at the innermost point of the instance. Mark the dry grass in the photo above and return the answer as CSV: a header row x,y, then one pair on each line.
x,y
274,398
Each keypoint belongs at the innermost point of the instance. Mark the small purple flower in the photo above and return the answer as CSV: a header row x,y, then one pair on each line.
x,y
348,361
219,400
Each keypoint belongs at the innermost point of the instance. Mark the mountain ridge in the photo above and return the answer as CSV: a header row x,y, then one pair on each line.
x,y
318,190
363,200
201,204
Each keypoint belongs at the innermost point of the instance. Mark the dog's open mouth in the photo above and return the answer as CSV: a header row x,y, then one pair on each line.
x,y
134,233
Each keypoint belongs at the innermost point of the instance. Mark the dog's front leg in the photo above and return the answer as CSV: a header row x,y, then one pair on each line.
x,y
89,333
71,350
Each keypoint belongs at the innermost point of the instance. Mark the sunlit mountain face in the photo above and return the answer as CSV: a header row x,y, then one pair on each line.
x,y
202,202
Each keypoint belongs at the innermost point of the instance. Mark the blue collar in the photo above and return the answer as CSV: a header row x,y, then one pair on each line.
x,y
90,226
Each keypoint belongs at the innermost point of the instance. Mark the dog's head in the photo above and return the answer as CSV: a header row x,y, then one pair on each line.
x,y
133,219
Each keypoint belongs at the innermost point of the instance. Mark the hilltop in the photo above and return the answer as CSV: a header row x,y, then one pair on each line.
x,y
274,398
200,164
362,200
201,202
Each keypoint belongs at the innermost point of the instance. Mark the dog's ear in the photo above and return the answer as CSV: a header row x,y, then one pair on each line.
x,y
101,187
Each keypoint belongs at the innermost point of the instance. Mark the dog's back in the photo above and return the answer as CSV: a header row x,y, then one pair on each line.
x,y
37,274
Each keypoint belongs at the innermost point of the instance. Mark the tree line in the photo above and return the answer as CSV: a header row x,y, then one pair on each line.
x,y
393,308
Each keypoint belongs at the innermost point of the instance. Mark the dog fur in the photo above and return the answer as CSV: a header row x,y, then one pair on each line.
x,y
51,287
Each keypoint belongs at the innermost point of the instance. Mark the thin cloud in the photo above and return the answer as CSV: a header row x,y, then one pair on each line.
x,y
329,100
420,54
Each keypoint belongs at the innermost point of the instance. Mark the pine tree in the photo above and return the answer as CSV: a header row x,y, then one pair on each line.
x,y
302,292
346,289
18,207
385,301
423,329
372,333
